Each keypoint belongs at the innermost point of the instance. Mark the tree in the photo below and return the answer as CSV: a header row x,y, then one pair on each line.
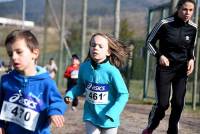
x,y
125,33
74,38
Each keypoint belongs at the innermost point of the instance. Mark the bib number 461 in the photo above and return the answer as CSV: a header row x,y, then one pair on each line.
x,y
96,96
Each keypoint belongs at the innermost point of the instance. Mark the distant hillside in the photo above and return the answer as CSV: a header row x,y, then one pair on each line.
x,y
13,9
134,10
106,7
35,8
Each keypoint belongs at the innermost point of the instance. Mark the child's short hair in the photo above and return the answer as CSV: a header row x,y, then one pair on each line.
x,y
27,35
74,56
51,59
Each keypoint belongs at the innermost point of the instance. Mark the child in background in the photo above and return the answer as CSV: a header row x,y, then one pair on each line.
x,y
29,98
100,79
71,74
52,68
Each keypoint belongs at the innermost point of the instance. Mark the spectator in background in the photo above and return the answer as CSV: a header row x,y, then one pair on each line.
x,y
71,73
1,63
9,67
2,66
52,68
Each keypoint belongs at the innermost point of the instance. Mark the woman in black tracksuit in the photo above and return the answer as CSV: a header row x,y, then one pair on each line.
x,y
175,61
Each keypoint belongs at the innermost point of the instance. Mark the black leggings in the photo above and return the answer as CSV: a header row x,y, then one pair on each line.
x,y
75,102
167,78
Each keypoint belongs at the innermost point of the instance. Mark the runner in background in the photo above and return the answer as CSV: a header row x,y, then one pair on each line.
x,y
71,73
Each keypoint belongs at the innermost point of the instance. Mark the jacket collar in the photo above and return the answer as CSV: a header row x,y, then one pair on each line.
x,y
97,65
179,20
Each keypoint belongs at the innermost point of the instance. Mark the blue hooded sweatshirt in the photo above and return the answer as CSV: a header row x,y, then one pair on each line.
x,y
27,102
106,93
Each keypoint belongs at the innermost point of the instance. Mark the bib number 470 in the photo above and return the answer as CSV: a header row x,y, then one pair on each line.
x,y
18,111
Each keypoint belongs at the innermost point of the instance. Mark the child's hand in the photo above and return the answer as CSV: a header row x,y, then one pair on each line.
x,y
67,100
2,131
57,120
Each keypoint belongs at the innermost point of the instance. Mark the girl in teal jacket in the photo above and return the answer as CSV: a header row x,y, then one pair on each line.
x,y
101,81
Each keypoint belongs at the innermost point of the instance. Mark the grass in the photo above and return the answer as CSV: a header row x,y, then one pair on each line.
x,y
136,95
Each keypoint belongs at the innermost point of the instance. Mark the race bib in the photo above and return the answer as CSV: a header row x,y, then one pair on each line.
x,y
20,109
97,93
74,74
22,116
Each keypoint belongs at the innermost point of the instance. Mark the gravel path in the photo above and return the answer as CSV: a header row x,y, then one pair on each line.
x,y
133,120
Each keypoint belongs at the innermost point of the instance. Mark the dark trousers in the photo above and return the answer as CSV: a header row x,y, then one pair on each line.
x,y
70,84
173,77
75,102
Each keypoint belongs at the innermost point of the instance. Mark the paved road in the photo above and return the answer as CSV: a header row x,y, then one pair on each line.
x,y
134,119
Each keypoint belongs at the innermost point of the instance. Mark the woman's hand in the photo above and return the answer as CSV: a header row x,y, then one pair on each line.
x,y
163,61
57,120
67,100
190,66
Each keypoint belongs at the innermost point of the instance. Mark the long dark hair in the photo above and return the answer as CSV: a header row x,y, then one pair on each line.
x,y
181,2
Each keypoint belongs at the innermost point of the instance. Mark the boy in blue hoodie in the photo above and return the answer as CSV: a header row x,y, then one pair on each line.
x,y
29,98
100,79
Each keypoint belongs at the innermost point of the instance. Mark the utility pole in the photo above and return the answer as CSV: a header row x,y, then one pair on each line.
x,y
84,29
58,25
173,6
23,13
99,24
62,34
196,61
45,31
147,60
117,19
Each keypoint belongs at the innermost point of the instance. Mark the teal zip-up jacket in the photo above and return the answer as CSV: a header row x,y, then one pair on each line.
x,y
106,93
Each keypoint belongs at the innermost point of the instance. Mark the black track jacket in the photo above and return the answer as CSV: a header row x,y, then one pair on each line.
x,y
176,39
